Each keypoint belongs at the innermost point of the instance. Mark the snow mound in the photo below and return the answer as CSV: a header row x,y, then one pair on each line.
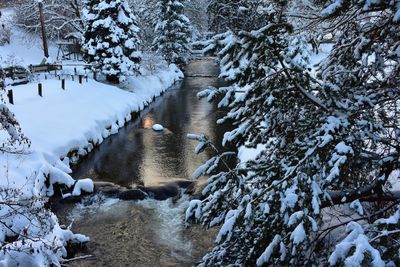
x,y
84,185
158,127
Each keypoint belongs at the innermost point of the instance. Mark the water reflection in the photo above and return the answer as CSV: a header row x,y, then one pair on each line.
x,y
138,155
148,121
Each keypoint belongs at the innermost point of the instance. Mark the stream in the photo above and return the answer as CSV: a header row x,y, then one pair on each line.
x,y
149,232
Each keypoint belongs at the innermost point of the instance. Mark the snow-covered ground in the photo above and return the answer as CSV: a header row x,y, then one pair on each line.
x,y
24,49
71,120
74,119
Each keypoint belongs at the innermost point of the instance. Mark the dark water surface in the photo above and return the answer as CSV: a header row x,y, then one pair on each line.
x,y
149,233
138,155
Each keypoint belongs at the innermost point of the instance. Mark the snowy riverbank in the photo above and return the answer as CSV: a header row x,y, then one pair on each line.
x,y
65,124
62,126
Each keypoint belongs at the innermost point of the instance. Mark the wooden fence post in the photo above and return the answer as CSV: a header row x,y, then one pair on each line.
x,y
63,84
10,97
80,79
40,91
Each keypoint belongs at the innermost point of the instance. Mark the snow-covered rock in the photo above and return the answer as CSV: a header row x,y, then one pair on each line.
x,y
83,186
158,127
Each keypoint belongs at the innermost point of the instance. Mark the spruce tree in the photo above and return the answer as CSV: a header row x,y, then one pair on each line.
x,y
111,38
327,141
225,15
233,15
173,32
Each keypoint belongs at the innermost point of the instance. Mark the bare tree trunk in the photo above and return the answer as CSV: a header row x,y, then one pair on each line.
x,y
44,37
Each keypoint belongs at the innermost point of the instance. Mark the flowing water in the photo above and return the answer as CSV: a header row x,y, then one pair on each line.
x,y
149,232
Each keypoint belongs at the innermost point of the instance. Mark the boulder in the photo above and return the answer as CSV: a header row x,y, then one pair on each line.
x,y
108,189
132,194
168,189
162,192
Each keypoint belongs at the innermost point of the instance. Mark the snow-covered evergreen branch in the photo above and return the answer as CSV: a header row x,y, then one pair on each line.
x,y
329,135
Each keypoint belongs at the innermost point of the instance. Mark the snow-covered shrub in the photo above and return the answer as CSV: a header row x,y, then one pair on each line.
x,y
152,62
111,40
330,140
13,140
172,32
30,235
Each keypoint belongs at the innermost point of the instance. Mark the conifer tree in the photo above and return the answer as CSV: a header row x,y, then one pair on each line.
x,y
234,15
225,15
111,38
173,32
326,141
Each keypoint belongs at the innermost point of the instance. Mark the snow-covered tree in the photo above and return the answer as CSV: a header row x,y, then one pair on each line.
x,y
31,234
111,38
61,17
224,15
197,13
234,15
326,141
147,15
172,32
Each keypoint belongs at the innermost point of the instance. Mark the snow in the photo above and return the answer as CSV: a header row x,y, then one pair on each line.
x,y
24,49
158,127
342,148
74,119
396,17
298,235
264,258
84,185
195,208
394,219
246,154
357,206
295,217
227,227
357,239
289,199
332,8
